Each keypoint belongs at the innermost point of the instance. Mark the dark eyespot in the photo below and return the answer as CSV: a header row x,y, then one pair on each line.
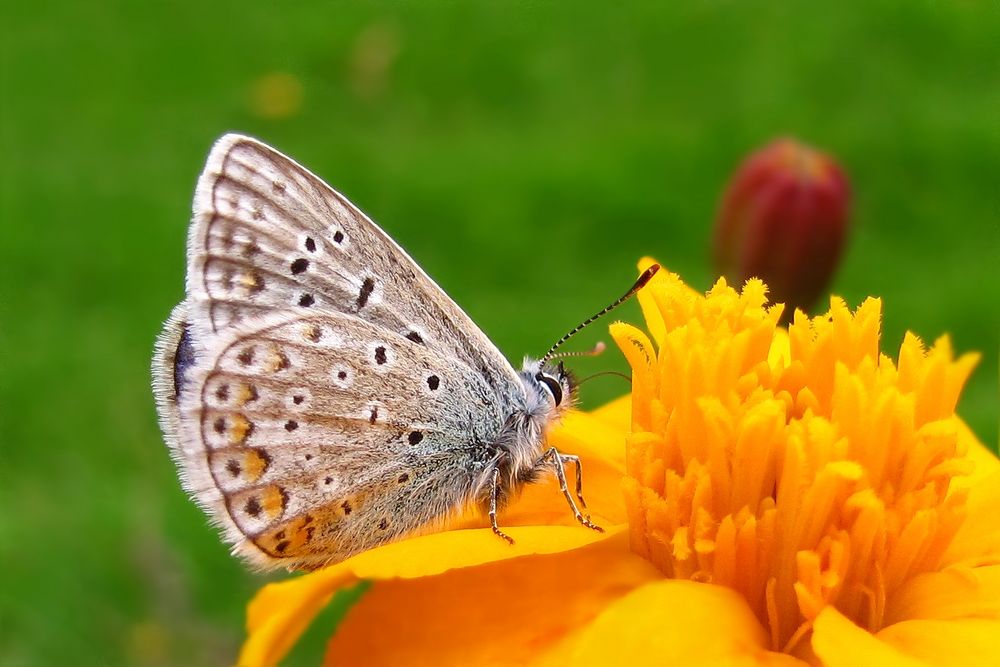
x,y
310,244
299,265
552,385
252,507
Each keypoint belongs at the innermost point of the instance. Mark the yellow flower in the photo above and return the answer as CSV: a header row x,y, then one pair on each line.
x,y
771,497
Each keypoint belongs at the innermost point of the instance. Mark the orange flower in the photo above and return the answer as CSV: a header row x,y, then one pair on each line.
x,y
770,497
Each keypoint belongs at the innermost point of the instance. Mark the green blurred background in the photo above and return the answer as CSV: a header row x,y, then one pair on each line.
x,y
525,153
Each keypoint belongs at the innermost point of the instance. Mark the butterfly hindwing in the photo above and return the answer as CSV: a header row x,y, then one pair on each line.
x,y
312,437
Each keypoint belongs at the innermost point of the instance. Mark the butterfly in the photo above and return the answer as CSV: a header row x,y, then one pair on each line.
x,y
319,393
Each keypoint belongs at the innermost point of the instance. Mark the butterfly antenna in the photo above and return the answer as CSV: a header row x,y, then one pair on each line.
x,y
639,284
602,373
596,351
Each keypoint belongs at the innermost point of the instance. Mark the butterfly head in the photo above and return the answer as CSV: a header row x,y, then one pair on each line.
x,y
546,379
553,387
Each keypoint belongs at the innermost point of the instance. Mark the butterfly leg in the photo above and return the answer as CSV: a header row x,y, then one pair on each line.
x,y
575,460
556,460
494,493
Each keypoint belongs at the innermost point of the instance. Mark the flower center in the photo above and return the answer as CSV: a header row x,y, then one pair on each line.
x,y
801,469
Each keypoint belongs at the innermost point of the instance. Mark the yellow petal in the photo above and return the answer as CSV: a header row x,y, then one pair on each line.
x,y
592,438
280,612
960,643
839,643
650,311
674,622
954,593
617,413
504,613
986,462
978,540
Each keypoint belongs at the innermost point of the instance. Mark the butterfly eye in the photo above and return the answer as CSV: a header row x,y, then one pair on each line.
x,y
552,385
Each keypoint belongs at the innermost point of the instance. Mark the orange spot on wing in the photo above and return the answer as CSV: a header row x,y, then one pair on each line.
x,y
277,361
246,393
255,464
239,429
274,500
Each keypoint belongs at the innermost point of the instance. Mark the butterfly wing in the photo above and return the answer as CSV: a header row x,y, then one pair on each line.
x,y
320,394
269,235
310,438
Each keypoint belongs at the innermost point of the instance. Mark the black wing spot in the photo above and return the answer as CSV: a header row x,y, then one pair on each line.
x,y
252,507
415,437
367,287
342,375
245,357
433,382
291,425
338,237
281,546
306,300
299,265
373,417
383,524
222,393
415,337
346,506
233,466
402,479
328,480
310,244
298,398
220,425
380,357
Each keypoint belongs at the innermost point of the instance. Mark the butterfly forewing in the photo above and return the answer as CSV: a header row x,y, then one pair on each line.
x,y
269,235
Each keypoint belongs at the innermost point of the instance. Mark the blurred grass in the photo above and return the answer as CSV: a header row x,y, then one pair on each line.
x,y
525,153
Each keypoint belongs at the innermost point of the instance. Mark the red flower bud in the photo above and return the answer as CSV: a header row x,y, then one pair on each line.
x,y
783,219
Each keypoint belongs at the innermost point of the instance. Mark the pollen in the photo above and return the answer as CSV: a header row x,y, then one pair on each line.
x,y
800,467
